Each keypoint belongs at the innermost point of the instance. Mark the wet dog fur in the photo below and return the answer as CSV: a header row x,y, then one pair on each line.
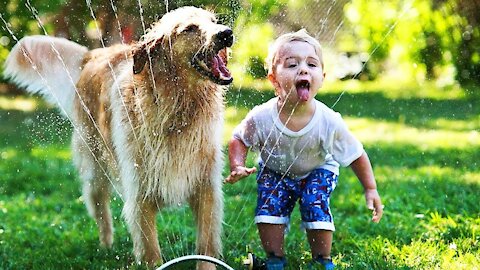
x,y
147,122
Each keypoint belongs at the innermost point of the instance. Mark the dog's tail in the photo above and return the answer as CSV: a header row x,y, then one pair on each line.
x,y
47,65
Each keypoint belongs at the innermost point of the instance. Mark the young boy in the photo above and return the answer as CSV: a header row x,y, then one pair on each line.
x,y
301,143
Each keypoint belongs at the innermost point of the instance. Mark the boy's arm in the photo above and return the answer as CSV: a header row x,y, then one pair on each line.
x,y
363,170
237,153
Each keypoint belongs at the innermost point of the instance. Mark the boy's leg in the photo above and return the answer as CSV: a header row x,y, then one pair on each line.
x,y
316,215
274,206
272,238
321,246
320,243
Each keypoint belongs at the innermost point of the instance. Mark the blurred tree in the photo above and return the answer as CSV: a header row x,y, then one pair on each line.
x,y
434,34
93,23
431,54
467,60
423,39
253,36
321,18
69,21
262,20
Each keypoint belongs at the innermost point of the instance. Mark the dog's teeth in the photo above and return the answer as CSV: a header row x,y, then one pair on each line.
x,y
203,65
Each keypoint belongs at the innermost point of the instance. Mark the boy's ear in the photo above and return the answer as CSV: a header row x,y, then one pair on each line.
x,y
271,77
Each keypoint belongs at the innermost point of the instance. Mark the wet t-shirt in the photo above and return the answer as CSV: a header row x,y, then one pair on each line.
x,y
325,142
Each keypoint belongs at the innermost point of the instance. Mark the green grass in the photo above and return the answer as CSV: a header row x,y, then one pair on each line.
x,y
423,142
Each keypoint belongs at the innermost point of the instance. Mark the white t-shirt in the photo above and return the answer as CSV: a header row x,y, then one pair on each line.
x,y
325,142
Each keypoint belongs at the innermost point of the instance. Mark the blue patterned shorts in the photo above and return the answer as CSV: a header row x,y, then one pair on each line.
x,y
277,196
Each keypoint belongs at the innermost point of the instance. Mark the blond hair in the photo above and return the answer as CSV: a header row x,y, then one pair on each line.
x,y
300,35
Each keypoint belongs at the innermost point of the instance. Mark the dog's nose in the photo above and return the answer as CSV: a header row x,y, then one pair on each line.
x,y
225,37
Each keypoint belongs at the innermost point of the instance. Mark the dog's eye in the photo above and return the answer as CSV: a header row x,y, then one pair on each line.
x,y
190,28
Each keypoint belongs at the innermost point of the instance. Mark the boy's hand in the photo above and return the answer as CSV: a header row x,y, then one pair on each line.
x,y
374,203
238,173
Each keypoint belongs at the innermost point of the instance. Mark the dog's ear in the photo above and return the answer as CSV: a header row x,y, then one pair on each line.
x,y
140,57
141,53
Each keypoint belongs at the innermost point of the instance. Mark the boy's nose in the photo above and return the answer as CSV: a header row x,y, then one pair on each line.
x,y
302,70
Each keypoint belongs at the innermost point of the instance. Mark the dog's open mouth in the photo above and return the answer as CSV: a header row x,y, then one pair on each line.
x,y
213,66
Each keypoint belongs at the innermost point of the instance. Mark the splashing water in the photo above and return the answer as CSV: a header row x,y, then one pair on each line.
x,y
233,218
76,128
41,25
55,97
392,27
117,86
337,29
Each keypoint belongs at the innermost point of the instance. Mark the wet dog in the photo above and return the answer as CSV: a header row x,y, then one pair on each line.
x,y
147,118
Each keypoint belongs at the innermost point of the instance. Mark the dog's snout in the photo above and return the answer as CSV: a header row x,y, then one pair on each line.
x,y
225,38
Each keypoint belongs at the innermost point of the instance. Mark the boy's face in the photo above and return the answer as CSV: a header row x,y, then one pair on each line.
x,y
297,73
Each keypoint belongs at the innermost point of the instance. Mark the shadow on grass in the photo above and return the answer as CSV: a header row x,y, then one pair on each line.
x,y
412,156
409,191
421,215
417,112
31,148
25,129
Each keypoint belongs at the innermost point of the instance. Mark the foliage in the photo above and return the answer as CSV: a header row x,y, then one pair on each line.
x,y
92,23
258,11
420,39
253,35
423,146
431,35
250,51
261,21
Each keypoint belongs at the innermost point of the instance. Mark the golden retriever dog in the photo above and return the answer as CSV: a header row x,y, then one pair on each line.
x,y
147,121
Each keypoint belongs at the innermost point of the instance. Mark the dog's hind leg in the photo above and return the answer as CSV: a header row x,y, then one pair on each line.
x,y
96,191
207,206
96,194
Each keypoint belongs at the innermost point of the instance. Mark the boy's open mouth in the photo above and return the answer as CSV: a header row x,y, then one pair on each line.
x,y
303,89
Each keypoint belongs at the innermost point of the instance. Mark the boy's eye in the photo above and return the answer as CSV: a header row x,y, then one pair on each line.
x,y
291,64
312,65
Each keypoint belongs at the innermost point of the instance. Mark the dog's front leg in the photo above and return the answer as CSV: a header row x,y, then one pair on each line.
x,y
143,228
207,206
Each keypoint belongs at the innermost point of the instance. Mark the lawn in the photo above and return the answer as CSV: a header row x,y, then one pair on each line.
x,y
424,144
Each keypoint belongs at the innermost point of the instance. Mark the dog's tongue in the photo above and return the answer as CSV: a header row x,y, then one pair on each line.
x,y
219,69
302,92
